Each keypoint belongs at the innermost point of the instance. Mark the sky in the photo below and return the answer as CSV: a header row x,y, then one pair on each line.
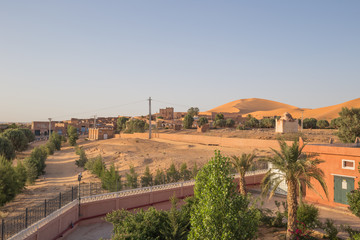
x,y
64,59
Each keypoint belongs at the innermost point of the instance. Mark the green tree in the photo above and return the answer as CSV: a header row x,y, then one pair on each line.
x,y
8,186
6,148
188,121
219,116
135,125
349,124
185,173
131,178
242,165
121,123
81,162
21,175
17,138
334,123
322,124
202,121
193,111
220,123
230,123
172,174
72,135
219,212
111,180
49,148
160,177
31,170
194,170
28,133
251,122
56,139
267,123
309,123
147,178
354,199
297,170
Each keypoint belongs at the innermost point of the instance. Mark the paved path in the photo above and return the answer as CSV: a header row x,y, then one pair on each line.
x,y
92,232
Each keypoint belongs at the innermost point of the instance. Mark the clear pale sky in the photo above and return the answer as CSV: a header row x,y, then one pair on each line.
x,y
79,58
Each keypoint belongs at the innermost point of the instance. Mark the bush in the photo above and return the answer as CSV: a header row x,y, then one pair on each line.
x,y
6,148
251,122
219,116
160,177
267,123
135,125
308,214
185,174
17,138
21,175
334,123
81,162
230,123
147,178
309,123
49,148
31,170
8,181
188,121
220,123
131,178
349,124
330,229
72,135
96,166
56,139
172,175
29,134
354,202
322,124
111,180
37,158
121,124
202,121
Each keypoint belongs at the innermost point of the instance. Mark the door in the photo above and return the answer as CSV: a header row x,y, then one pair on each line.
x,y
342,186
105,136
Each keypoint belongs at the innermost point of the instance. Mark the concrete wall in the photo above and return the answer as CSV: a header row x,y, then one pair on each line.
x,y
283,126
332,157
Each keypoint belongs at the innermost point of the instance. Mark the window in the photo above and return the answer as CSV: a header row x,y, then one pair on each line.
x,y
348,164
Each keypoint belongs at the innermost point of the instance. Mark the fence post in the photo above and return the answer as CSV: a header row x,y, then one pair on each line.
x,y
45,208
2,229
26,217
59,200
72,193
89,188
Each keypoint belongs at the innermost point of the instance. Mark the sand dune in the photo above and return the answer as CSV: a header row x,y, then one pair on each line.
x,y
260,108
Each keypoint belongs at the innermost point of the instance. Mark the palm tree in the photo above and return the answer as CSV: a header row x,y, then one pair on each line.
x,y
242,165
296,169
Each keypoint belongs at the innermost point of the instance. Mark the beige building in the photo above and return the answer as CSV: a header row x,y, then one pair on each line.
x,y
100,133
286,124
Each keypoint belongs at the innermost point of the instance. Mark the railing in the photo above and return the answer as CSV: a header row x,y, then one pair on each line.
x,y
38,216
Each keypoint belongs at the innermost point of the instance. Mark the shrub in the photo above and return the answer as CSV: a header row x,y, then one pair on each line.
x,y
354,202
188,121
160,177
38,157
111,180
309,123
121,124
81,162
219,116
56,139
8,181
330,229
185,174
96,166
220,123
17,138
349,124
172,175
28,133
251,122
131,178
135,125
322,124
50,148
202,121
267,123
72,135
194,170
334,123
308,214
6,148
147,178
21,175
31,170
230,123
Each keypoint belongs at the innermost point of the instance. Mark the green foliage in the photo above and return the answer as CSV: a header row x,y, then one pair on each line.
x,y
121,124
251,122
330,229
220,123
28,133
267,123
193,111
160,177
55,138
81,162
72,135
111,180
354,234
37,158
277,219
188,121
135,125
195,170
147,178
219,116
6,148
21,175
131,178
202,121
17,138
8,181
31,170
309,123
334,123
230,122
308,214
95,165
354,200
185,174
172,174
322,124
49,148
219,212
349,124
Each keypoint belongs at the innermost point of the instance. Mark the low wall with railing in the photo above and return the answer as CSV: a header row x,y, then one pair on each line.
x,y
62,221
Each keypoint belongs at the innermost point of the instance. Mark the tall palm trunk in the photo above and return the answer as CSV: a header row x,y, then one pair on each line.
x,y
292,208
242,188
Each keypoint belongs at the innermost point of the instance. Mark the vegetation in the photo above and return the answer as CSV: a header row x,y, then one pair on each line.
x,y
135,125
322,124
297,170
55,138
121,124
334,123
309,123
160,177
349,124
219,116
6,148
147,178
49,148
72,135
354,200
172,175
111,180
185,174
267,123
308,215
28,133
193,111
242,165
230,123
251,122
17,138
188,121
131,178
202,121
219,212
81,162
220,123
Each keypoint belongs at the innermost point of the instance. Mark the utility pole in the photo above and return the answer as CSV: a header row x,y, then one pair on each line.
x,y
49,127
149,117
94,121
302,120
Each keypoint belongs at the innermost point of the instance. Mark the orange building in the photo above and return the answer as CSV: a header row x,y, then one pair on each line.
x,y
340,166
